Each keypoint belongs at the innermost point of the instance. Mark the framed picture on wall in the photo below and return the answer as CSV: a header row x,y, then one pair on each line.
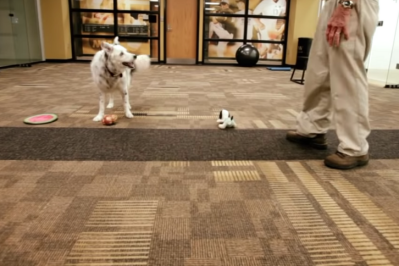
x,y
266,29
221,49
225,6
138,5
276,8
92,45
133,24
270,51
93,23
92,4
220,27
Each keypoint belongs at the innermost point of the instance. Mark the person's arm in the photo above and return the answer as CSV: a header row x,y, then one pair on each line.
x,y
339,21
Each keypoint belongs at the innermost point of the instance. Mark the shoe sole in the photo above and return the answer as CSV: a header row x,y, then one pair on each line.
x,y
309,143
346,167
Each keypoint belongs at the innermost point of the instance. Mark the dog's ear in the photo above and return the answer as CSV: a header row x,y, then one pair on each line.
x,y
116,40
220,114
108,48
232,118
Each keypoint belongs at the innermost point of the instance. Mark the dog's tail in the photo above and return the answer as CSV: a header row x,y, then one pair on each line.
x,y
116,40
142,62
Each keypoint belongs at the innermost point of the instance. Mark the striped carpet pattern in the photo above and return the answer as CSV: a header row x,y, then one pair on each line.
x,y
219,213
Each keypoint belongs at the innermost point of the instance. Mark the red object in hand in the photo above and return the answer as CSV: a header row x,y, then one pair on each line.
x,y
109,119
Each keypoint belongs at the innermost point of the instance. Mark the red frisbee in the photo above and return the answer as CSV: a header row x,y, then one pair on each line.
x,y
41,119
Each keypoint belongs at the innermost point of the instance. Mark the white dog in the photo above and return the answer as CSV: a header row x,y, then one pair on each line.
x,y
112,69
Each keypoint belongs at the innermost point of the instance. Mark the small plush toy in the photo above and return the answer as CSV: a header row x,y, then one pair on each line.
x,y
226,120
109,120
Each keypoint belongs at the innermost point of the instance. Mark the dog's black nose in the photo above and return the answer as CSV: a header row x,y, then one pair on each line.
x,y
134,56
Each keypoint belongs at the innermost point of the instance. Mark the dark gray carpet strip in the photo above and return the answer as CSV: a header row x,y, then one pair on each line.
x,y
112,144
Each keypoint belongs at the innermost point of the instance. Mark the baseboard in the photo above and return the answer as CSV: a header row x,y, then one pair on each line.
x,y
85,61
59,60
21,65
392,86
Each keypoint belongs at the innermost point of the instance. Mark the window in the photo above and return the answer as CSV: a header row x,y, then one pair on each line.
x,y
135,22
229,24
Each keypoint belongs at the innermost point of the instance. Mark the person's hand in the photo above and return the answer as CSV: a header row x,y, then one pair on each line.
x,y
338,25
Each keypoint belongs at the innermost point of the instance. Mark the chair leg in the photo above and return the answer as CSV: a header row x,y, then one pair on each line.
x,y
303,76
293,72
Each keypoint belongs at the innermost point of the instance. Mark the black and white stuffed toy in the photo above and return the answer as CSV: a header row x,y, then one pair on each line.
x,y
226,120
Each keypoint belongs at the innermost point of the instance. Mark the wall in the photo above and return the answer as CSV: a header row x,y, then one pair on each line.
x,y
56,29
57,39
302,23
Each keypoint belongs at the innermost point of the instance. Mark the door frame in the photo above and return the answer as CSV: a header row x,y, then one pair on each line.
x,y
165,29
39,14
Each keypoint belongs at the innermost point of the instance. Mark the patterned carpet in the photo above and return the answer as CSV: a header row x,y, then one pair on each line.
x,y
187,213
239,213
175,97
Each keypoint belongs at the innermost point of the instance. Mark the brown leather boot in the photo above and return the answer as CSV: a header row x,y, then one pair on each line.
x,y
318,142
342,161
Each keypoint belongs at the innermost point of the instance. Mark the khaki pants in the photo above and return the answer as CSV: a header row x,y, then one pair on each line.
x,y
336,81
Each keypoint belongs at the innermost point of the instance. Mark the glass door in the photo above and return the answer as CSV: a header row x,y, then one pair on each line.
x,y
32,28
20,42
25,25
7,50
393,72
20,33
136,22
383,43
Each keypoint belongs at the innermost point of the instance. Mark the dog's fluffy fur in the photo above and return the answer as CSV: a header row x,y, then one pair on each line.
x,y
112,68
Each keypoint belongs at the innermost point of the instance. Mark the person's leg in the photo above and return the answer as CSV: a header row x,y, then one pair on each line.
x,y
350,87
314,119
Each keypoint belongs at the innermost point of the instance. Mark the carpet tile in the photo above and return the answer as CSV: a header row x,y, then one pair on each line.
x,y
175,213
189,97
168,188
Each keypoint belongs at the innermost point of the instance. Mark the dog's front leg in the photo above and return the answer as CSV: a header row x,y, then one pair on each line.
x,y
126,105
110,101
129,80
101,109
128,101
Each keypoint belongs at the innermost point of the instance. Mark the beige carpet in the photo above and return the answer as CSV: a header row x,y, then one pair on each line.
x,y
239,213
171,97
